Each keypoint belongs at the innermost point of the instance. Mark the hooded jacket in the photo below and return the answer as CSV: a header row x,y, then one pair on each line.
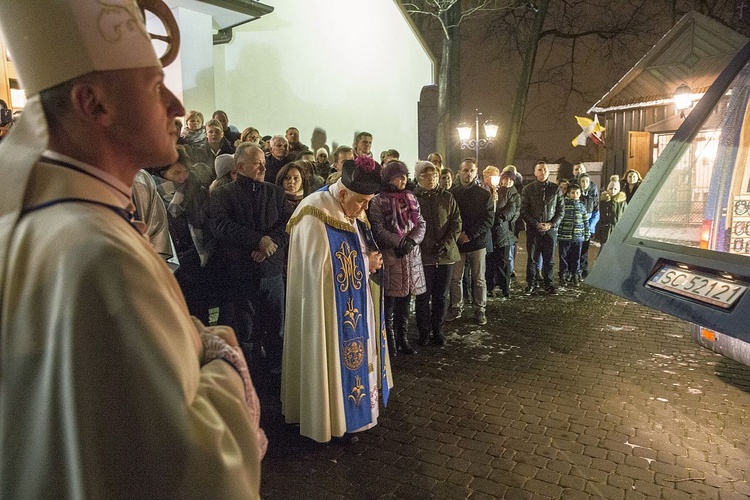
x,y
611,209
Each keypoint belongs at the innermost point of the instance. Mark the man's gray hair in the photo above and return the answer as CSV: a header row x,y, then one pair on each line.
x,y
278,138
244,149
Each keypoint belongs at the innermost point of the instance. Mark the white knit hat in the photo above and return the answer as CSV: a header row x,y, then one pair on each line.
x,y
421,165
614,181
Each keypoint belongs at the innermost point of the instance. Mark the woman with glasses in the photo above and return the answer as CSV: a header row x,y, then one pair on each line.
x,y
439,251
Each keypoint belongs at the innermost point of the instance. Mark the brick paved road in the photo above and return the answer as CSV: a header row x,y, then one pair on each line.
x,y
582,395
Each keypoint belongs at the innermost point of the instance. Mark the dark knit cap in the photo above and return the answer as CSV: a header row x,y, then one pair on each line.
x,y
394,169
507,174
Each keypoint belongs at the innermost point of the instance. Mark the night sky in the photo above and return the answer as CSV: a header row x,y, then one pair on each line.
x,y
491,63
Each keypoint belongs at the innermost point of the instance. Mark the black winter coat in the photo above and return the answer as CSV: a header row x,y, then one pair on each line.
x,y
242,212
477,214
507,211
541,202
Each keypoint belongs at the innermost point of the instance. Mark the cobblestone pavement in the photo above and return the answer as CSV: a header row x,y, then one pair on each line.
x,y
578,395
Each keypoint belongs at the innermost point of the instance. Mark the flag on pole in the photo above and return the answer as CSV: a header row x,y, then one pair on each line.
x,y
592,129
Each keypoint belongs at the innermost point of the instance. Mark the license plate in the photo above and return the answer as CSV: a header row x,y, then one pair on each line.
x,y
704,288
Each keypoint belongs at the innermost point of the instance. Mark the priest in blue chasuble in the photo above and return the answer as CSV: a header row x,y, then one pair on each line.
x,y
335,367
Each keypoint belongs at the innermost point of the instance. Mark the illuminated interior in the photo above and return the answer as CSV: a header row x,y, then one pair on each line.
x,y
705,200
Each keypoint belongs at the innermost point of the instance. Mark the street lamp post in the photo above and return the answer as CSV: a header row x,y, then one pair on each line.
x,y
476,143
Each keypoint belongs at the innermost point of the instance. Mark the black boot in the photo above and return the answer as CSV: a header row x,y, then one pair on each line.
x,y
401,341
438,339
424,338
390,335
403,344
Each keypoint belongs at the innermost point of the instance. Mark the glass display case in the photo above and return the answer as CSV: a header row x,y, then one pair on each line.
x,y
682,245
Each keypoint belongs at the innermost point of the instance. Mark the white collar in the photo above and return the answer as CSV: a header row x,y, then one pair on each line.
x,y
123,192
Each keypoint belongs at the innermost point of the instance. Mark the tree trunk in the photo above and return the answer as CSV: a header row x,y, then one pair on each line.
x,y
522,92
449,86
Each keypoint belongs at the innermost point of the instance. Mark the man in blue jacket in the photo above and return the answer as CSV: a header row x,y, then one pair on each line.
x,y
590,198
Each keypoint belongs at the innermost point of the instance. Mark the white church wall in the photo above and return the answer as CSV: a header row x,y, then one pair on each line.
x,y
340,65
191,76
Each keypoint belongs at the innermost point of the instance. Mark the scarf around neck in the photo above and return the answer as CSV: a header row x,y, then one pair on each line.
x,y
172,194
400,210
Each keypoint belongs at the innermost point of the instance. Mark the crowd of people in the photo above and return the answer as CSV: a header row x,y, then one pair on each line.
x,y
445,241
117,242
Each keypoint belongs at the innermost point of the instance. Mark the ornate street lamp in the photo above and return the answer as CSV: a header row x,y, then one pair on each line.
x,y
476,143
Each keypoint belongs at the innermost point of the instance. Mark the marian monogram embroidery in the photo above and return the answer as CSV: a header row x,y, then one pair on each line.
x,y
348,271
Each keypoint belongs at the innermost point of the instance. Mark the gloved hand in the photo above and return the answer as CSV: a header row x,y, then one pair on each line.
x,y
405,248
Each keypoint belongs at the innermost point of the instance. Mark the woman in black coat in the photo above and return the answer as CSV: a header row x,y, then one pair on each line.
x,y
507,211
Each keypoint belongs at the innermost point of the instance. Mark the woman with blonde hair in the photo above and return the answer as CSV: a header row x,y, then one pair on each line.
x,y
250,134
194,132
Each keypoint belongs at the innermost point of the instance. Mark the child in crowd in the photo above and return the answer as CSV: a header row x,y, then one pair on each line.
x,y
573,231
563,183
611,206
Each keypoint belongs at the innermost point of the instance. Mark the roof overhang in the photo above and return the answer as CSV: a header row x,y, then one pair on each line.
x,y
647,102
693,52
226,14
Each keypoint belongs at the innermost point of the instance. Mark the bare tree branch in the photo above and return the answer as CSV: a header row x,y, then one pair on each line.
x,y
438,9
